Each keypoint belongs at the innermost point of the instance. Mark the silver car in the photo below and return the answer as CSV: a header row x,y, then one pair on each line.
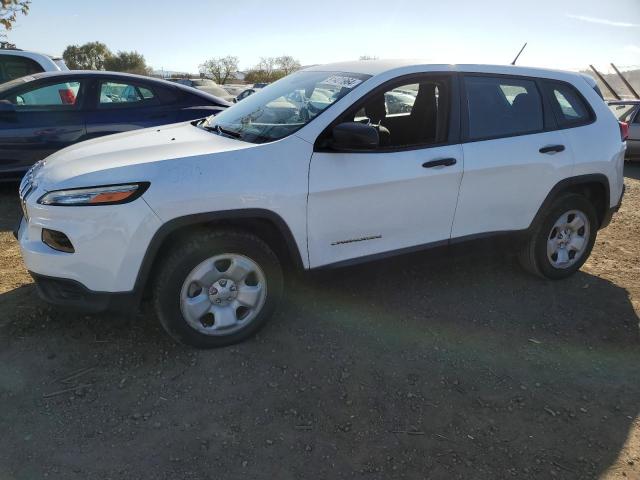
x,y
628,111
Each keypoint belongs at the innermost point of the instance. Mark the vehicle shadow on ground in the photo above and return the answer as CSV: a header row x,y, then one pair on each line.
x,y
445,364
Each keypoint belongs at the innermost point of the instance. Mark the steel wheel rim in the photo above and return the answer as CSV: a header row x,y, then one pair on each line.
x,y
223,294
568,239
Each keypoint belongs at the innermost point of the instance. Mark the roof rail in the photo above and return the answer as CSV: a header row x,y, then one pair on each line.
x,y
7,46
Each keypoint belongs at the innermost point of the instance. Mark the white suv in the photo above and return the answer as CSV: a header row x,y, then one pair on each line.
x,y
16,63
204,216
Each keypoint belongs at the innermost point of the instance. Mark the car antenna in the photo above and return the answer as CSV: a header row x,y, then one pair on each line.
x,y
518,55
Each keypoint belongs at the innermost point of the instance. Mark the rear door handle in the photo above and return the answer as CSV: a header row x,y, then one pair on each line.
x,y
552,149
442,162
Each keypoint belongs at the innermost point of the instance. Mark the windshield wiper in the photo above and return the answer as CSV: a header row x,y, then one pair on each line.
x,y
221,131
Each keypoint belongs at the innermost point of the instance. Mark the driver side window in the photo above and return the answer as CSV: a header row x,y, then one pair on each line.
x,y
408,114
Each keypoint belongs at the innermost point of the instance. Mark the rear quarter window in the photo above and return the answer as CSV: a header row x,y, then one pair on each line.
x,y
569,106
12,66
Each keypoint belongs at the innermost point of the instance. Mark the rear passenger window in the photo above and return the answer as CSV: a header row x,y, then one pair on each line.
x,y
569,107
122,94
501,107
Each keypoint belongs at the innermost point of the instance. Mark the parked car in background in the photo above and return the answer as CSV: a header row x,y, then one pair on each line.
x,y
205,216
45,112
246,93
206,85
628,111
15,63
234,90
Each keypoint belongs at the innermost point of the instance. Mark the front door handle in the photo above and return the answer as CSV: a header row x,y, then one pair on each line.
x,y
442,162
552,149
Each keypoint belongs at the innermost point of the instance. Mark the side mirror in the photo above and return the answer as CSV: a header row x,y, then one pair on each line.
x,y
354,136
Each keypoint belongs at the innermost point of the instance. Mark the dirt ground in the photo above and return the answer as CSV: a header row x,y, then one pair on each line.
x,y
442,365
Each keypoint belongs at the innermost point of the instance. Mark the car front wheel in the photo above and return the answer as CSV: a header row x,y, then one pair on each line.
x,y
217,288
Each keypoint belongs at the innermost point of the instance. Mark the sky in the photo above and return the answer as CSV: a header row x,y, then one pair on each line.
x,y
180,35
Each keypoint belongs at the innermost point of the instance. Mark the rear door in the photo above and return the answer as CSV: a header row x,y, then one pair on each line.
x,y
48,116
120,105
513,155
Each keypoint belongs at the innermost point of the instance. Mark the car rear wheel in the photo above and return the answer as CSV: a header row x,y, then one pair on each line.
x,y
217,288
563,240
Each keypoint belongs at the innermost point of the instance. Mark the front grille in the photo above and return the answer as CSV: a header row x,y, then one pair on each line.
x,y
26,186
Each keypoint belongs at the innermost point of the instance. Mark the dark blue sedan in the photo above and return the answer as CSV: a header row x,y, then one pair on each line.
x,y
42,113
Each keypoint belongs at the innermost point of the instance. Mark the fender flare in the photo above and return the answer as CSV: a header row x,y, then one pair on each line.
x,y
179,223
567,183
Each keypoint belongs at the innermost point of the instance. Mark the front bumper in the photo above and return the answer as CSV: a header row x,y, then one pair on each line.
x,y
109,243
71,294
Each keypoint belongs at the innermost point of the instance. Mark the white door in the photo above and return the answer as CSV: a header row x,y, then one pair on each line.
x,y
511,162
398,196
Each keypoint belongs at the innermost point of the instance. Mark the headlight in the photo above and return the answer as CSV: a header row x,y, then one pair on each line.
x,y
105,195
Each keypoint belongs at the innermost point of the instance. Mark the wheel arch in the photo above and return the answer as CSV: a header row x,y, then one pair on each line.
x,y
595,187
266,224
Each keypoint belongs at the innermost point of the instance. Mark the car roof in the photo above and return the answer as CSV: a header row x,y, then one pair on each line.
x,y
25,53
124,76
377,67
132,77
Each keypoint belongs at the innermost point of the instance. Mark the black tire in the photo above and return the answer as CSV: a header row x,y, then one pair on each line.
x,y
185,256
533,254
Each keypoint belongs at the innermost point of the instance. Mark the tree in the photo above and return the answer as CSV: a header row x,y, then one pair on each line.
x,y
220,68
9,10
287,64
255,76
270,69
90,56
129,62
267,66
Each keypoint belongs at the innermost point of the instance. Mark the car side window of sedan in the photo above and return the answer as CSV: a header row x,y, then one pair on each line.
x,y
118,94
57,96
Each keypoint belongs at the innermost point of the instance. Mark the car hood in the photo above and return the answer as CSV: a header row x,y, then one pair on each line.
x,y
109,155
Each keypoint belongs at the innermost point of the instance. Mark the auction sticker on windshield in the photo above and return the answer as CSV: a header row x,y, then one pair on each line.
x,y
342,81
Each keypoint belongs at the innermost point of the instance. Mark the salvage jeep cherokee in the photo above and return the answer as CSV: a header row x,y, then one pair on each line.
x,y
329,166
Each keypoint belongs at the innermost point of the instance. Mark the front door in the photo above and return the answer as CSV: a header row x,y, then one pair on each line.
x,y
47,118
395,197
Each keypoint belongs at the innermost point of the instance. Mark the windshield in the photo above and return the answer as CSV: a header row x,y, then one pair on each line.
x,y
284,106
